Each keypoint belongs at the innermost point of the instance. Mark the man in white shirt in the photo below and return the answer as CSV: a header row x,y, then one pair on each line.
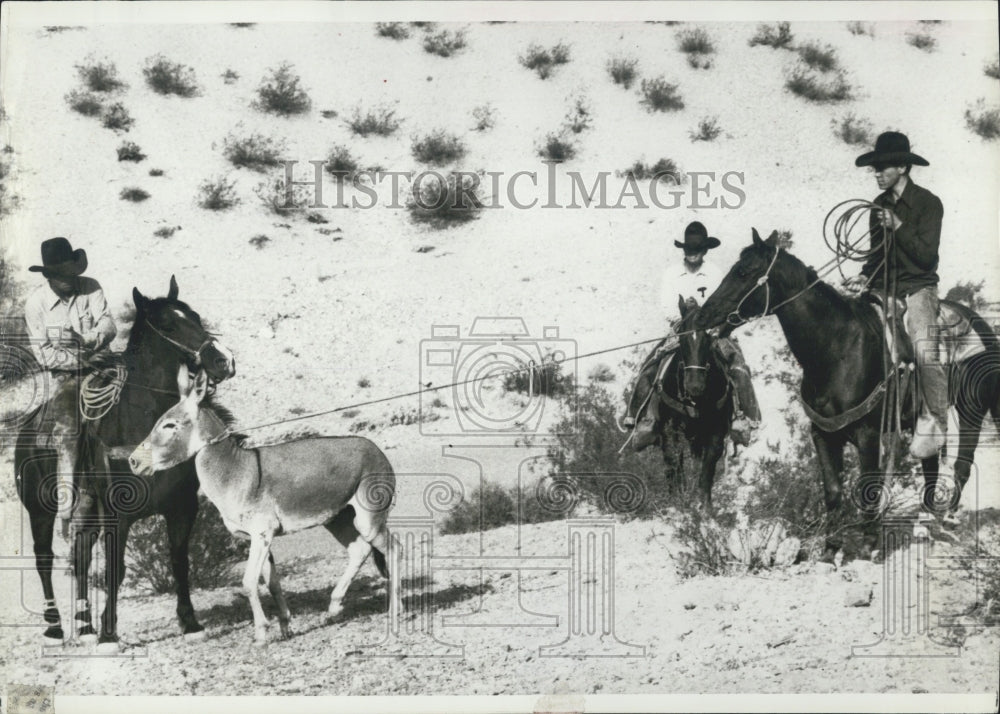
x,y
694,280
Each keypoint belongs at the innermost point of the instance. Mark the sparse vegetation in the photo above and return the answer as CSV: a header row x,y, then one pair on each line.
x,y
438,148
99,76
156,172
623,70
493,506
484,117
86,103
281,93
819,57
557,147
116,117
982,120
601,373
166,77
444,203
854,130
921,40
992,68
217,194
708,130
659,95
283,199
546,379
255,152
166,231
135,195
444,43
968,293
861,28
662,170
130,151
392,30
815,86
329,114
579,117
341,164
230,76
364,383
543,61
380,121
778,37
259,241
695,41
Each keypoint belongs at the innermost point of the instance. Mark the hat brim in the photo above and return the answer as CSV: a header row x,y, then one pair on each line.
x,y
702,244
896,158
68,269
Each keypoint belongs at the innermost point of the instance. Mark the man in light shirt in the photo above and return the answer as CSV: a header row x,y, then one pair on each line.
x,y
694,279
70,327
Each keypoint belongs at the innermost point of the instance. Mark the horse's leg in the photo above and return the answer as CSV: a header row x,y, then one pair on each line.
x,y
274,586
970,422
180,520
714,450
260,544
42,531
343,529
870,471
115,536
830,455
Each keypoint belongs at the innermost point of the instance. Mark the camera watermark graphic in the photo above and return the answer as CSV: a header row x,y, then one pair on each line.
x,y
497,354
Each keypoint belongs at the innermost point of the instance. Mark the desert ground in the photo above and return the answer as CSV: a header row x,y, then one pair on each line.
x,y
335,311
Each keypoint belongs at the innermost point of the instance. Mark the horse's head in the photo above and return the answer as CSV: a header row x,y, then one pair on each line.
x,y
694,351
745,292
179,328
180,432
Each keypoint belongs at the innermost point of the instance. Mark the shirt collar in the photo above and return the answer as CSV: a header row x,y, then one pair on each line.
x,y
54,299
905,197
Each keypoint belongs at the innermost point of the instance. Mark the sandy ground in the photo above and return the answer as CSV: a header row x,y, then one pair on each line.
x,y
313,314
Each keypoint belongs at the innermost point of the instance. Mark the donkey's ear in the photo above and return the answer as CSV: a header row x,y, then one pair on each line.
x,y
138,298
200,385
184,382
172,293
772,240
756,237
682,304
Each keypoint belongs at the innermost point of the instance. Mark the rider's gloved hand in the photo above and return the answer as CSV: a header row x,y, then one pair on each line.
x,y
855,283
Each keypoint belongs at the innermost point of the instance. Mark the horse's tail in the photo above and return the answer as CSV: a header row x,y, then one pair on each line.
x,y
380,562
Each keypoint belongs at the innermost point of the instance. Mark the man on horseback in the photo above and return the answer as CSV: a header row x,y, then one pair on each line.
x,y
902,265
694,280
70,328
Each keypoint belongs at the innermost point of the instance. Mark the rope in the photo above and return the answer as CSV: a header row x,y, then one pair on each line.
x,y
95,402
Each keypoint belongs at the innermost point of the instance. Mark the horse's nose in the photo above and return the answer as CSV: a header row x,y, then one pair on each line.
x,y
225,365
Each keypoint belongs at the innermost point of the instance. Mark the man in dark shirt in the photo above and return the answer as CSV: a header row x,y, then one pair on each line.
x,y
910,217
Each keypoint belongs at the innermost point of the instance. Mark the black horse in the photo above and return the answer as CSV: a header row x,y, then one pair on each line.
x,y
166,335
695,402
838,341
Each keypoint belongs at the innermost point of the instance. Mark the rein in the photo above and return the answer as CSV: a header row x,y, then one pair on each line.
x,y
195,354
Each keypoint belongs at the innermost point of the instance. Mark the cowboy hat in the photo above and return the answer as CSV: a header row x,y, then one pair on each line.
x,y
696,238
59,259
892,148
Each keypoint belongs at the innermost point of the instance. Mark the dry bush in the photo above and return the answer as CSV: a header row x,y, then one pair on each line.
x,y
166,231
444,203
217,194
544,60
438,148
116,117
230,76
86,103
156,172
663,170
130,151
819,57
708,130
259,241
557,147
493,506
341,164
255,152
992,68
695,41
283,199
816,86
133,194
545,379
380,121
392,30
778,37
99,76
659,95
854,130
982,120
166,77
484,117
623,70
861,28
281,93
579,117
444,43
921,40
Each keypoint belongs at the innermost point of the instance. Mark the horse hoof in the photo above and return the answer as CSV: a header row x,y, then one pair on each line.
x,y
108,647
199,636
286,631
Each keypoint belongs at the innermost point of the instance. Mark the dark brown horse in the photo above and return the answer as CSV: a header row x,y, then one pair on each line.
x,y
838,341
166,334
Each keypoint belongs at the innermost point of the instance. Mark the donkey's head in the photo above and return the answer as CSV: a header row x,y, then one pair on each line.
x,y
694,350
181,432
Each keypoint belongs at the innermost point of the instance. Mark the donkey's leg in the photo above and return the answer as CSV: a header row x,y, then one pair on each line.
x,y
274,586
830,455
180,520
260,544
344,530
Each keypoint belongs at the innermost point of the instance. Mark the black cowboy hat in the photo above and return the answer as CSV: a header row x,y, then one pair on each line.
x,y
59,259
892,148
696,238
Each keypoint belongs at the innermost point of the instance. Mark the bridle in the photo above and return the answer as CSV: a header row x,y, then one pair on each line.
x,y
194,354
762,280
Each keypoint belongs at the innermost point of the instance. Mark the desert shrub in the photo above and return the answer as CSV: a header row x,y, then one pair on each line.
x,y
282,198
484,117
445,203
438,148
659,95
230,76
777,36
579,117
493,506
601,373
130,151
281,93
818,57
213,549
853,130
444,43
969,294
708,130
242,25
99,76
255,152
557,147
392,30
166,231
11,287
622,70
166,77
156,172
662,170
259,241
135,195
697,61
116,117
86,103
380,120
861,28
546,379
341,164
217,194
921,40
425,26
695,41
992,68
819,87
543,61
982,120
